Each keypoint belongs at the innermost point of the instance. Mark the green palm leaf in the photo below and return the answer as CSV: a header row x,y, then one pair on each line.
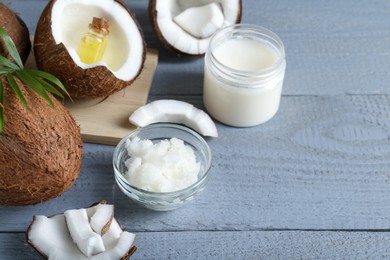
x,y
12,83
13,51
34,84
5,71
40,82
1,106
46,77
50,88
7,63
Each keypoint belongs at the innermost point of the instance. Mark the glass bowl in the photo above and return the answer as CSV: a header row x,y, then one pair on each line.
x,y
163,201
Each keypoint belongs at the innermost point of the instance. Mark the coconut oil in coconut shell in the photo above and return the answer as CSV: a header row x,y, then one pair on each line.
x,y
94,43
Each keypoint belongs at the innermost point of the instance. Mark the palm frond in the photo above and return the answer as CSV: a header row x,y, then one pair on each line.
x,y
39,81
1,106
11,48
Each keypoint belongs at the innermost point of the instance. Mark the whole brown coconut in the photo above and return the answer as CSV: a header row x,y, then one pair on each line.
x,y
40,149
17,30
55,59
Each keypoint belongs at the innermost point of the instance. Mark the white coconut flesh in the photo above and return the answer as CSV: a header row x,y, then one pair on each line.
x,y
124,52
208,19
110,238
101,219
89,242
174,111
188,25
51,236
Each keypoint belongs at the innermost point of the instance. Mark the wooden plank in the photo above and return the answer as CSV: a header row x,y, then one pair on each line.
x,y
334,47
105,120
321,163
238,245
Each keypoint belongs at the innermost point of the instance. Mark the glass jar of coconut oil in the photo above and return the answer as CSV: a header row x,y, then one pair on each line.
x,y
244,72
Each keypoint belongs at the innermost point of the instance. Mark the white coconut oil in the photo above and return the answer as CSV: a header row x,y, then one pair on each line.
x,y
165,166
244,71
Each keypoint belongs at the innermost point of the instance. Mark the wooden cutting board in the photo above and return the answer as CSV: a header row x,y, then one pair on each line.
x,y
105,120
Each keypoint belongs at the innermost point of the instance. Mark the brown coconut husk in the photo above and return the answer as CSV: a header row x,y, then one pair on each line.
x,y
55,59
40,149
152,12
17,30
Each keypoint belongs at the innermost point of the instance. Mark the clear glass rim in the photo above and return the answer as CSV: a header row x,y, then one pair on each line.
x,y
177,193
250,31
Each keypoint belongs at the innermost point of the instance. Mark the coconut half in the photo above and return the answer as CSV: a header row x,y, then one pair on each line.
x,y
185,26
52,238
17,30
60,29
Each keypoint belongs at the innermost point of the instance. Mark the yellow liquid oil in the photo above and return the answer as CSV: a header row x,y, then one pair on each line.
x,y
91,48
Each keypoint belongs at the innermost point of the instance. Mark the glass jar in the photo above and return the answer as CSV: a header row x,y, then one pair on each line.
x,y
243,77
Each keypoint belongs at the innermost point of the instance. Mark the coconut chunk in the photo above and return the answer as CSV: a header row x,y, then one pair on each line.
x,y
208,19
101,219
123,246
167,110
89,242
185,26
110,238
52,238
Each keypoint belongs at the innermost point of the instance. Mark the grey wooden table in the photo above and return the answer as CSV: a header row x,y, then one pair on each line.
x,y
312,183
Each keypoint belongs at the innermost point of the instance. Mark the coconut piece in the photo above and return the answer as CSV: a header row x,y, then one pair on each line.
x,y
89,242
17,30
177,23
40,149
174,111
208,19
110,238
50,237
101,219
92,209
121,248
113,238
60,28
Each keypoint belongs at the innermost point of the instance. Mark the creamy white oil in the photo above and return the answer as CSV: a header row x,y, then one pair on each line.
x,y
243,79
165,166
245,54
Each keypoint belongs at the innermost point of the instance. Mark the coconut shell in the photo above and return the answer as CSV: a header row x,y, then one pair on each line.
x,y
40,149
152,11
55,59
29,242
17,30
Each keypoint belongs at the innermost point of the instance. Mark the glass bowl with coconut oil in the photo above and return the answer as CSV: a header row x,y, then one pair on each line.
x,y
162,166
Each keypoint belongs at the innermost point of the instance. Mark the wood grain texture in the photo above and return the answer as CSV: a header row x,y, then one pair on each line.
x,y
107,121
312,183
332,47
322,163
239,245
